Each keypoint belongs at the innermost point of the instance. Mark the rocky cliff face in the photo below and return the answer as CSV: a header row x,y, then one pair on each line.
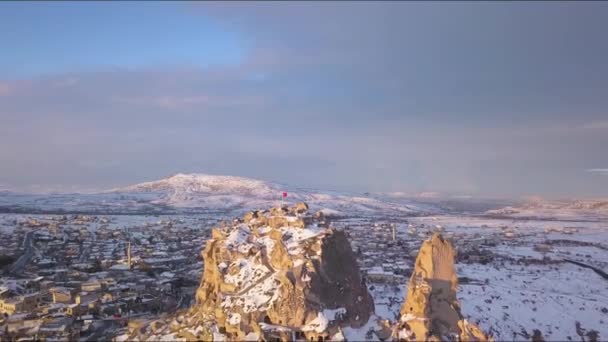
x,y
280,274
431,310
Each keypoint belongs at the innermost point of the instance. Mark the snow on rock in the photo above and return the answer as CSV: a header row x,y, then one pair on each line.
x,y
332,314
257,298
339,336
266,242
237,237
273,282
234,319
319,324
248,273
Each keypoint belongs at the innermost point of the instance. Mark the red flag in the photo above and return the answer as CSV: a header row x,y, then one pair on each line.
x,y
284,194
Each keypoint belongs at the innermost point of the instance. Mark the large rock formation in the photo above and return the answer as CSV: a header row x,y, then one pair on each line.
x,y
279,274
431,311
283,274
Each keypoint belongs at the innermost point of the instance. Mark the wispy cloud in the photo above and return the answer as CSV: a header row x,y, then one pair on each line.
x,y
179,102
602,171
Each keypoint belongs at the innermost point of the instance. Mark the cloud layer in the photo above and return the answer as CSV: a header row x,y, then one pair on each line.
x,y
389,96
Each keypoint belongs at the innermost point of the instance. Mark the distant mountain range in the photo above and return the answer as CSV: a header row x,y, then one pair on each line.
x,y
203,192
196,193
555,209
230,192
206,184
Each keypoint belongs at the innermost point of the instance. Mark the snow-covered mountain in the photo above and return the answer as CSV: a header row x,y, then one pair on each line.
x,y
206,184
196,192
230,192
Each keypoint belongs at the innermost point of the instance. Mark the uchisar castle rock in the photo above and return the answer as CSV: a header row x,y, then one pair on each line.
x,y
284,274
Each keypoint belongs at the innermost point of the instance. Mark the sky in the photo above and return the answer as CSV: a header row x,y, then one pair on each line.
x,y
496,99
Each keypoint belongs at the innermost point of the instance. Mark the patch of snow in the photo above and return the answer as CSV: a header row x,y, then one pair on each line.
x,y
264,230
248,273
332,313
410,317
257,298
297,236
319,324
237,236
121,338
331,212
274,327
120,267
252,337
405,334
267,242
359,334
339,336
234,319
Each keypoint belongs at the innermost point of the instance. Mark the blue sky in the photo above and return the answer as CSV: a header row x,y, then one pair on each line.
x,y
481,98
56,37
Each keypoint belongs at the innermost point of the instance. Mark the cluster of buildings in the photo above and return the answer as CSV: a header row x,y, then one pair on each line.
x,y
381,250
80,277
386,250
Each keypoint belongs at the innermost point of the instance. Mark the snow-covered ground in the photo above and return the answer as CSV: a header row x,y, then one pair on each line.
x,y
518,299
523,287
517,276
591,210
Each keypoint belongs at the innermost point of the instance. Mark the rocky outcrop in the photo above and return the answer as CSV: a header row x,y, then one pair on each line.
x,y
431,311
282,274
279,274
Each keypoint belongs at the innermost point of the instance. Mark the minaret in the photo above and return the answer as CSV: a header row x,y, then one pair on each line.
x,y
129,254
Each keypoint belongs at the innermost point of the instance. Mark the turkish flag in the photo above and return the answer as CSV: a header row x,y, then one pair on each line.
x,y
284,194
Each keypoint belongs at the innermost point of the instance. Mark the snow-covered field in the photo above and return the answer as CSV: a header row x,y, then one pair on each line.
x,y
551,298
523,287
565,210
